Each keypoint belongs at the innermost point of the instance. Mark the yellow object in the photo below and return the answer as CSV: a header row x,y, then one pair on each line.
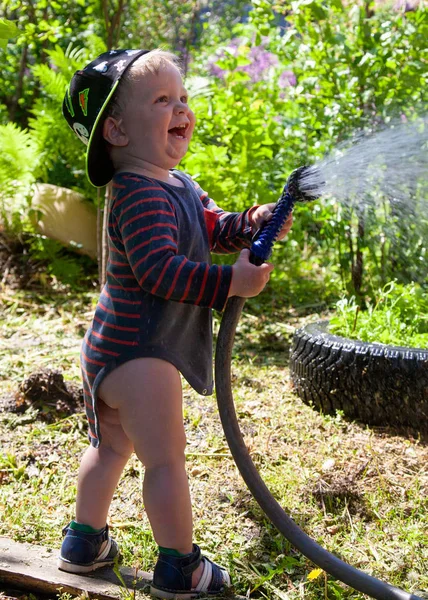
x,y
314,574
66,216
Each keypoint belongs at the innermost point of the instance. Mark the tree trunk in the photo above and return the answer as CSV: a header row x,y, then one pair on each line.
x,y
113,23
358,264
20,84
99,237
192,36
104,240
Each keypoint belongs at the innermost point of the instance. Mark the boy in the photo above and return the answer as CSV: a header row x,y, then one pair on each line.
x,y
153,318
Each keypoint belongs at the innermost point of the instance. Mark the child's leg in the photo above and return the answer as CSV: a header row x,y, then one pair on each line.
x,y
101,468
147,393
87,545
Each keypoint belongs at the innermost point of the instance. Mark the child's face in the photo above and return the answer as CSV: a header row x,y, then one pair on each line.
x,y
154,115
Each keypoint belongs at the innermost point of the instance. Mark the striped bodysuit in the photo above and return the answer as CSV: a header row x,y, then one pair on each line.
x,y
160,283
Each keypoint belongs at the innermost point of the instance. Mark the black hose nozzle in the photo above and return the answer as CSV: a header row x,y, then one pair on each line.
x,y
304,184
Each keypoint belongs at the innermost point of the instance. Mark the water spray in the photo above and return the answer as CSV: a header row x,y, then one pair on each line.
x,y
304,184
393,160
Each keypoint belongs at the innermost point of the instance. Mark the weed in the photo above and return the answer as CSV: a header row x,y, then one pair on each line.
x,y
398,316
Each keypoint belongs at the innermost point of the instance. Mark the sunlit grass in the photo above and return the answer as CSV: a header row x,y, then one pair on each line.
x,y
359,492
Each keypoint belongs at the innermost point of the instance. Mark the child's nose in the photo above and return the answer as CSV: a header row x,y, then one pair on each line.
x,y
181,107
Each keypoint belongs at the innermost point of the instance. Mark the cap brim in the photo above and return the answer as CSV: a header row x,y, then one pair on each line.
x,y
99,167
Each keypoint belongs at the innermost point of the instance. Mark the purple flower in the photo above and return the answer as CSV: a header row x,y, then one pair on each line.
x,y
406,5
287,79
215,70
260,61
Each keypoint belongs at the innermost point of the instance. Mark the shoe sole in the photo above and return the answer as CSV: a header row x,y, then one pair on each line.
x,y
172,595
68,567
182,595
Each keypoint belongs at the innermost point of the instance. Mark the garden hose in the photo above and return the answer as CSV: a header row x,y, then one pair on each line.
x,y
260,251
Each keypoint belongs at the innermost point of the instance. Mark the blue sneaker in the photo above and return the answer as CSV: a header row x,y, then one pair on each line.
x,y
172,578
84,552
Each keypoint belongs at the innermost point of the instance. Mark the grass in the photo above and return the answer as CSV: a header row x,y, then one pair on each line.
x,y
360,492
397,316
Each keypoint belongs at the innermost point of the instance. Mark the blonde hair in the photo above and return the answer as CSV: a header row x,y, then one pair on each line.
x,y
152,63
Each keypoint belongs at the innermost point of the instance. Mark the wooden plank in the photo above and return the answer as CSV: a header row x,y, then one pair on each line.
x,y
34,568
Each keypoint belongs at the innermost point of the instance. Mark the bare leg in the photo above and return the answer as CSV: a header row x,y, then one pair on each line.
x,y
147,393
101,468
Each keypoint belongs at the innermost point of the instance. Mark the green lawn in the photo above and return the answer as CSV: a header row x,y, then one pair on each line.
x,y
360,492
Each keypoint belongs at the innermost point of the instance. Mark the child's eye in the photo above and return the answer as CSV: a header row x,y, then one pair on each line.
x,y
184,99
162,99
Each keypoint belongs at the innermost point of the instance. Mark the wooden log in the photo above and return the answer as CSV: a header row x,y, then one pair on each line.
x,y
33,568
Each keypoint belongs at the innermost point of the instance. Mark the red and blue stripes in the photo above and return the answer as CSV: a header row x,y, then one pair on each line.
x,y
147,258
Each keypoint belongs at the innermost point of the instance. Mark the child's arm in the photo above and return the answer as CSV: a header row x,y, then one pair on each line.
x,y
146,234
227,232
230,232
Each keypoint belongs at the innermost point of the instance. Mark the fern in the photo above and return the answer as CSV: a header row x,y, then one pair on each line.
x,y
19,160
200,86
63,155
59,262
54,83
69,60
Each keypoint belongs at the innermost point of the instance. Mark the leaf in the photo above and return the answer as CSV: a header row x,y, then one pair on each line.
x,y
257,104
8,29
365,58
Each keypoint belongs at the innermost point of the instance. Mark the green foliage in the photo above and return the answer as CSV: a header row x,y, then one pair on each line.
x,y
10,465
8,30
355,66
61,265
273,86
62,153
236,136
398,315
41,26
354,69
19,160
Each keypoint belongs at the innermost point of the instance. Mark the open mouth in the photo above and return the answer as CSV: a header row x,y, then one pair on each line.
x,y
179,132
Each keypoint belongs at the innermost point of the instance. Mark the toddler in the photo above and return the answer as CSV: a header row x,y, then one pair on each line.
x,y
153,318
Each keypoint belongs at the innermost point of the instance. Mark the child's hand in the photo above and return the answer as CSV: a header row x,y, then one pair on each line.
x,y
248,280
263,214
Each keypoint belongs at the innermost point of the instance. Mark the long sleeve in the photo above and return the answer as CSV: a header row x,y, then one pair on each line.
x,y
228,232
145,238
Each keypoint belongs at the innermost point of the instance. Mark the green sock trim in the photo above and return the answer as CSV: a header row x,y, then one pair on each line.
x,y
84,528
170,552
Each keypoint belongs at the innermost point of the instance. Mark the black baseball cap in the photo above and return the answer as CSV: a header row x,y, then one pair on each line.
x,y
85,102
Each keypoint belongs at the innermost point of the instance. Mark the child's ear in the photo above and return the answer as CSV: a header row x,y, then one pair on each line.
x,y
114,133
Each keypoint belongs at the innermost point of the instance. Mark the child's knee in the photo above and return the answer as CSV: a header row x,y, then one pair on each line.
x,y
113,436
171,451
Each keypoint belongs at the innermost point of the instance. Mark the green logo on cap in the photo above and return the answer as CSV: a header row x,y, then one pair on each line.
x,y
68,102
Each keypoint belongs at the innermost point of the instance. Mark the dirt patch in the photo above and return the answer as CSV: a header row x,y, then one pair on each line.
x,y
336,490
30,261
48,393
17,268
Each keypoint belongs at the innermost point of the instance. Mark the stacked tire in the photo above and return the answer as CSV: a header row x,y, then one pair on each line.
x,y
373,383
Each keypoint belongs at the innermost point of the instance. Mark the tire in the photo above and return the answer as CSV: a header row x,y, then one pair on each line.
x,y
372,383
